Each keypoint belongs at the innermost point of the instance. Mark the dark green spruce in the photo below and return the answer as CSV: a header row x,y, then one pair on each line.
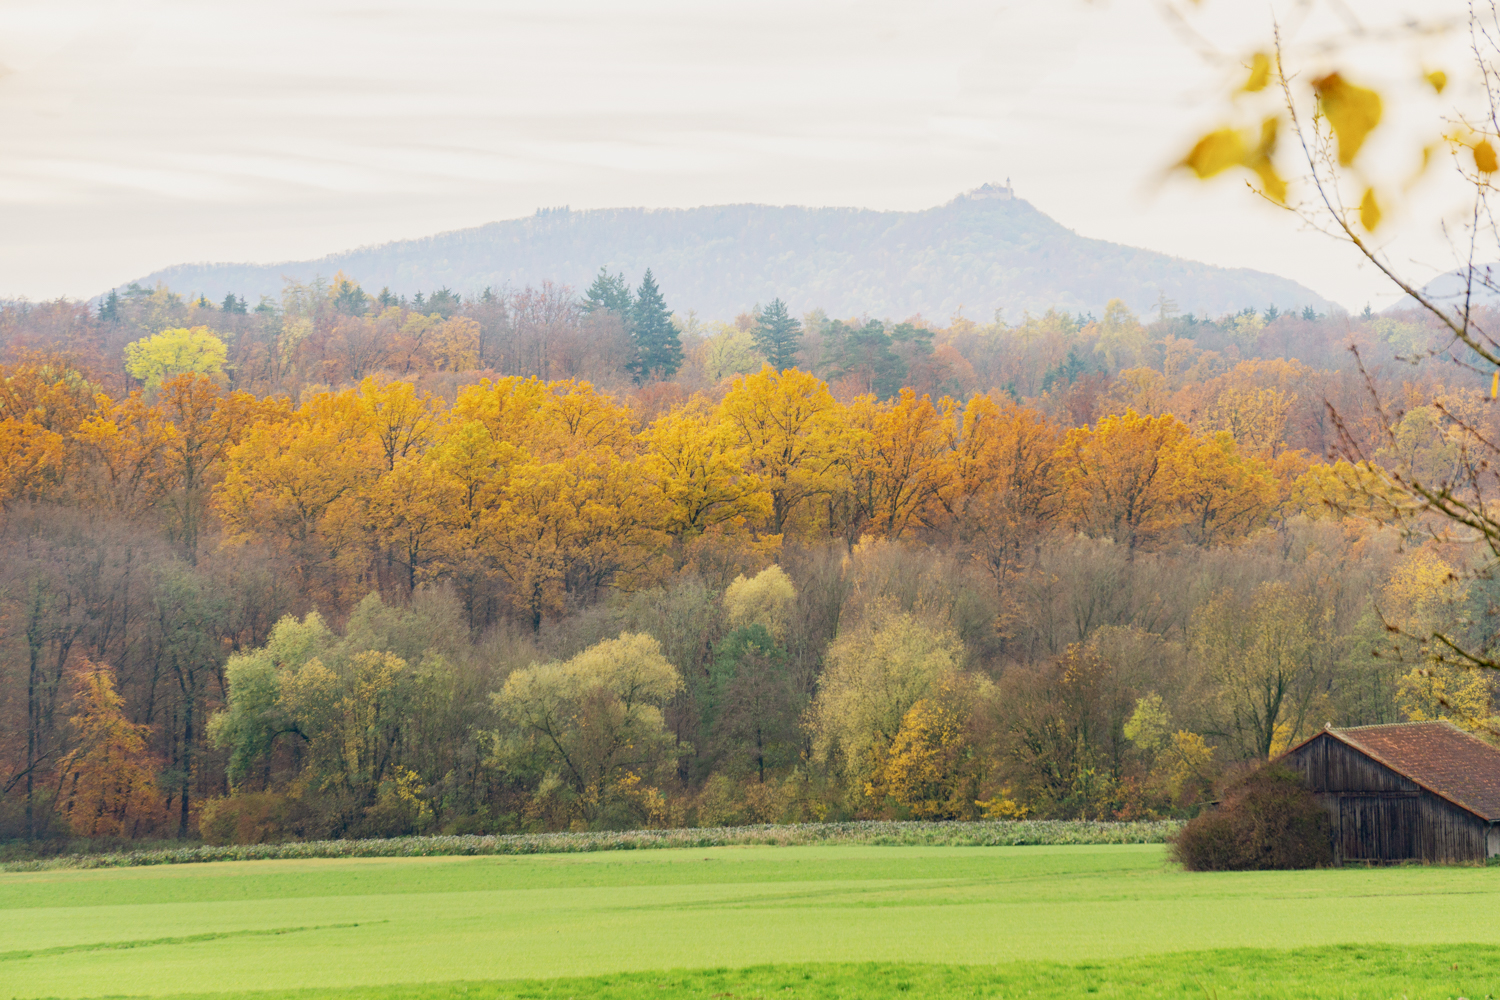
x,y
778,335
609,292
658,350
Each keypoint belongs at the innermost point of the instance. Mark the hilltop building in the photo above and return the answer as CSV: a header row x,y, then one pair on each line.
x,y
994,192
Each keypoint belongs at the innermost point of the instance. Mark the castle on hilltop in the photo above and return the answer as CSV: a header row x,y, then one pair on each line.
x,y
994,192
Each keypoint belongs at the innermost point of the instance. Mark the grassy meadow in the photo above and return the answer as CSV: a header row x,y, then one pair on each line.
x,y
750,921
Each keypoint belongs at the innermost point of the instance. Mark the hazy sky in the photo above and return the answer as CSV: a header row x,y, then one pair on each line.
x,y
143,133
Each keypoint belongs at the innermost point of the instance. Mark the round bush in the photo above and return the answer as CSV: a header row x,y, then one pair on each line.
x,y
1266,820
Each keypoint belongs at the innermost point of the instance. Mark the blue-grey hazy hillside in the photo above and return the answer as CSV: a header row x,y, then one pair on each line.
x,y
981,251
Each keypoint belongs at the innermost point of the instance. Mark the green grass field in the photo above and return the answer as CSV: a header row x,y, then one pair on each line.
x,y
1110,921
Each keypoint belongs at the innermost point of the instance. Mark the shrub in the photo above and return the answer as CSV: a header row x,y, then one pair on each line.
x,y
724,802
246,818
1266,820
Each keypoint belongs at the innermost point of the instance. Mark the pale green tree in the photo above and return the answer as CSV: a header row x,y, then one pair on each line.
x,y
255,717
594,723
1265,654
765,599
873,675
729,351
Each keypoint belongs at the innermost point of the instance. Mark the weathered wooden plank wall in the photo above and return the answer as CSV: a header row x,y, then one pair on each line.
x,y
1380,815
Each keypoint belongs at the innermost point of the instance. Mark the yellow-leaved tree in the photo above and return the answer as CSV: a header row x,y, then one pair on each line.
x,y
1421,605
793,438
699,464
296,484
1265,653
766,599
178,351
1223,494
932,768
573,526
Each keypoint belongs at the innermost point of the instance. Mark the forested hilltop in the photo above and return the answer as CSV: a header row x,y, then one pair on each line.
x,y
981,252
352,563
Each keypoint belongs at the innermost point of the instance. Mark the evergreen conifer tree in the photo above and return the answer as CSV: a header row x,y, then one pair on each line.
x,y
778,335
349,298
609,292
445,302
658,349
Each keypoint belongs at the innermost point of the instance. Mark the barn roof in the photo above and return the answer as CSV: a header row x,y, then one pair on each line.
x,y
1439,756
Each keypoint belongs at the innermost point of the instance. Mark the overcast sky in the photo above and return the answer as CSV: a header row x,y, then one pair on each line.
x,y
143,133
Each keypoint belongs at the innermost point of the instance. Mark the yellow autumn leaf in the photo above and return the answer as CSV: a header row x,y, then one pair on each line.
x,y
1216,152
1260,73
1354,112
1270,181
1438,79
1484,157
1495,385
1268,130
1260,162
1369,211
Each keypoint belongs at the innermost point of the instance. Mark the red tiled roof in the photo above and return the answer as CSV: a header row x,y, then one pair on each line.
x,y
1439,756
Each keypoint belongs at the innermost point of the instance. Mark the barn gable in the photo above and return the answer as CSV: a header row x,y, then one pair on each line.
x,y
1414,790
1438,756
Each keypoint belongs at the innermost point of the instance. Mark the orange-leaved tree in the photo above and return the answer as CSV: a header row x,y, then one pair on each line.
x,y
1003,486
107,785
295,484
1223,493
1121,479
897,462
42,404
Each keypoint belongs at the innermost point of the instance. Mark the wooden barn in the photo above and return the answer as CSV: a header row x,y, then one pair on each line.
x,y
1416,790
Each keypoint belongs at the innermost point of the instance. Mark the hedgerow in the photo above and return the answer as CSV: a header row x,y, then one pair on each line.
x,y
1009,833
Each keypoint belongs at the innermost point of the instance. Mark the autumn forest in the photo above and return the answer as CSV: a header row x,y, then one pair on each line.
x,y
357,564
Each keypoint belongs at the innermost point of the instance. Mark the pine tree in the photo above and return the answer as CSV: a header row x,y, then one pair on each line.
x,y
658,349
445,302
609,292
778,335
349,298
863,352
109,309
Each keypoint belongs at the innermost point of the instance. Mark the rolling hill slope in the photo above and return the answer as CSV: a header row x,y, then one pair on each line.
x,y
982,251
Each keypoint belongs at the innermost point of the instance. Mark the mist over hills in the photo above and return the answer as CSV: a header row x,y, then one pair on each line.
x,y
985,250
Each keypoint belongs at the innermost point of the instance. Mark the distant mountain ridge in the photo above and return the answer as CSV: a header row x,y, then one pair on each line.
x,y
982,251
1450,290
